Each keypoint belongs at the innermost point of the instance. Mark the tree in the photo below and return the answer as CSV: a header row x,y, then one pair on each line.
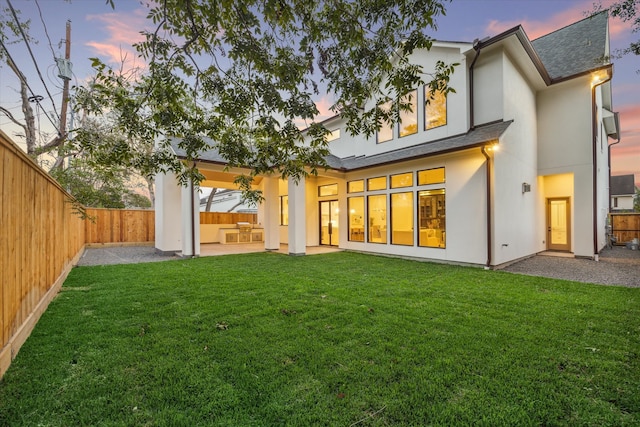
x,y
11,25
627,11
98,147
7,27
636,200
99,187
241,77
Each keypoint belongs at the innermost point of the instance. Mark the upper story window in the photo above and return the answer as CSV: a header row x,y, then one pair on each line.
x,y
409,113
333,135
435,110
385,133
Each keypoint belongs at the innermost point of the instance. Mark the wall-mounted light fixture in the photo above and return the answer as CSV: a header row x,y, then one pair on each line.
x,y
526,187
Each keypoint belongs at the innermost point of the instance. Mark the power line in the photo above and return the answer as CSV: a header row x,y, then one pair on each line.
x,y
26,41
24,80
45,30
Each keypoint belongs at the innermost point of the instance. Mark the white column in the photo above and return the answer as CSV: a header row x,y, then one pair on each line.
x,y
297,217
167,213
271,219
190,221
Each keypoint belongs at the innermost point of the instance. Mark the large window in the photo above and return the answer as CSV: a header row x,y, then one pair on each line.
x,y
409,113
379,183
356,186
284,210
328,190
402,180
431,176
377,217
435,109
356,218
385,133
402,218
431,218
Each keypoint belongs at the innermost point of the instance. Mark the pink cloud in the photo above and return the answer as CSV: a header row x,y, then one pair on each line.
x,y
123,30
324,107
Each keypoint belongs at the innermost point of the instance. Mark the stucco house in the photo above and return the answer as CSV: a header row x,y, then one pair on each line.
x,y
513,164
622,192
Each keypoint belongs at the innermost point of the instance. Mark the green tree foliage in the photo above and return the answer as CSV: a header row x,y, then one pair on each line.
x,y
99,187
98,177
241,77
636,200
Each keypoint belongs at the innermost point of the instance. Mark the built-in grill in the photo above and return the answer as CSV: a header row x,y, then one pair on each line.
x,y
244,228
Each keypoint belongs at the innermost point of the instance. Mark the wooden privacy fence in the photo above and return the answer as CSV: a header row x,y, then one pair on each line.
x,y
114,226
41,238
120,226
625,227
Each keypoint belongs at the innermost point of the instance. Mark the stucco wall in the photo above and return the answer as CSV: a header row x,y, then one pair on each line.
x,y
565,146
515,163
488,77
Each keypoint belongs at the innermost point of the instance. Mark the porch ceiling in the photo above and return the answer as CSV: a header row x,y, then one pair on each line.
x,y
219,179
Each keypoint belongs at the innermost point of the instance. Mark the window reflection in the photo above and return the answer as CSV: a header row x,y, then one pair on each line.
x,y
431,218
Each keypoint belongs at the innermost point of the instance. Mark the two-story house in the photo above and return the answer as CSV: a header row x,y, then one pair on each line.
x,y
514,163
622,191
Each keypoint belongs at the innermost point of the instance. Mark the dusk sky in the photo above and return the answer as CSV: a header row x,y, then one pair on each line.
x,y
99,31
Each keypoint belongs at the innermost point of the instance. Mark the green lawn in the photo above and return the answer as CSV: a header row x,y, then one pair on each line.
x,y
338,339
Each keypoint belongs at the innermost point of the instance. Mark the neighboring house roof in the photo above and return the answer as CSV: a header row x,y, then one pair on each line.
x,y
477,137
575,49
622,185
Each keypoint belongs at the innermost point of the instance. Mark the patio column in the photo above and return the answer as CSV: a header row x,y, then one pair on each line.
x,y
190,221
168,213
297,217
271,214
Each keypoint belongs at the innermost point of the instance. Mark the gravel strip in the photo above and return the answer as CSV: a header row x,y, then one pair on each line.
x,y
617,266
123,255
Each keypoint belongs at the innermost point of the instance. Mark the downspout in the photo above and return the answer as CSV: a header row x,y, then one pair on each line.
x,y
594,152
193,213
617,122
489,212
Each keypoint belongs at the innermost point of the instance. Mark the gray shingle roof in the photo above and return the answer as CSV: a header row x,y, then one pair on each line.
x,y
575,49
473,138
622,185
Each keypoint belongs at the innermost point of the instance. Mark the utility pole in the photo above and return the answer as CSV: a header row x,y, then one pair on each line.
x,y
64,72
66,77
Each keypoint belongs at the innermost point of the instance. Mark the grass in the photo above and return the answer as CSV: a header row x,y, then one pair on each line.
x,y
339,339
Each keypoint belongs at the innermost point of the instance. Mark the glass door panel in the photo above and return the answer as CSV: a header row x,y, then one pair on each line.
x,y
329,223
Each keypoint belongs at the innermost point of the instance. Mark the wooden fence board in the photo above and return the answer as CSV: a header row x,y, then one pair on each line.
x,y
120,226
625,227
40,237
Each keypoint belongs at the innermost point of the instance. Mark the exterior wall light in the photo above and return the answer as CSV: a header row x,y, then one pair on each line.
x,y
526,188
